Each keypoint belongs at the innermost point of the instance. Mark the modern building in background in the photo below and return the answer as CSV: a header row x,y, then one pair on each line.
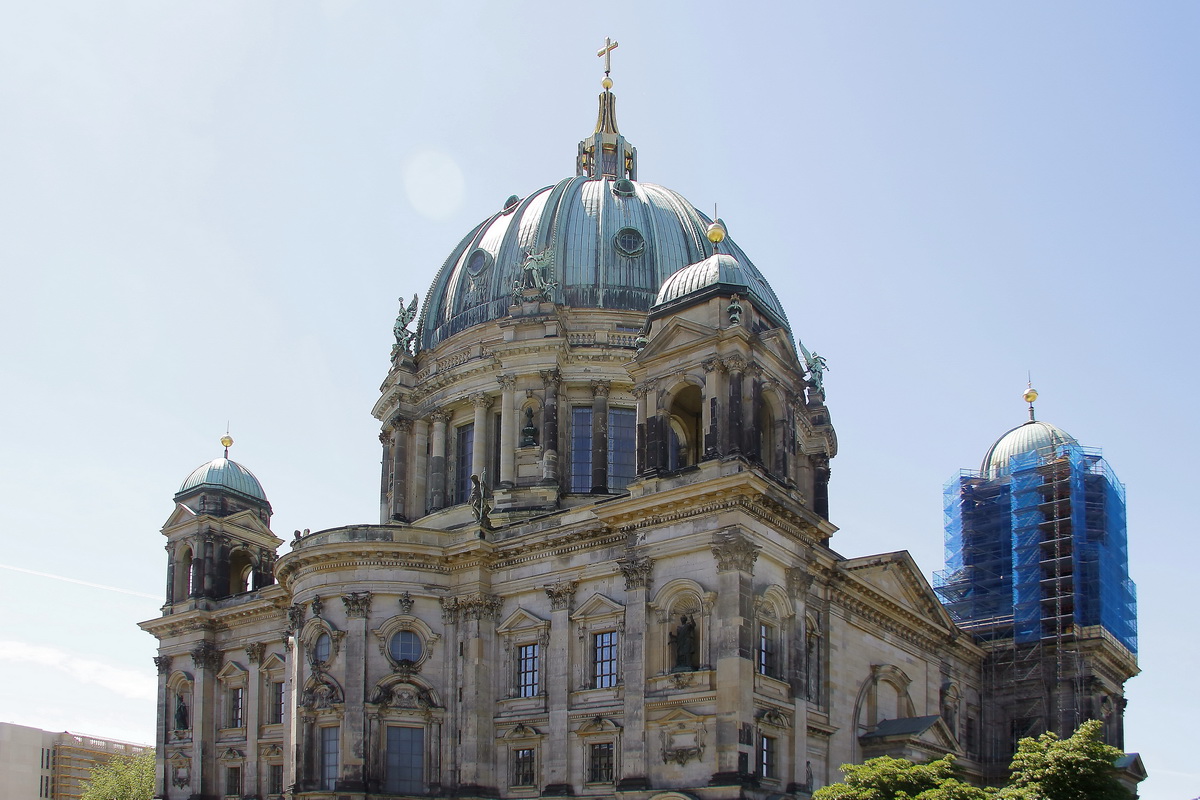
x,y
602,564
57,765
1037,570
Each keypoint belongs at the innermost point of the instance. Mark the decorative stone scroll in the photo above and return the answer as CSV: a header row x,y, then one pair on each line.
x,y
562,595
206,656
637,571
734,552
406,603
357,604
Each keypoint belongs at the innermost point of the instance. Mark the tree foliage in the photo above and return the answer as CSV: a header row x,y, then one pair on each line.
x,y
1045,768
1077,768
123,778
888,778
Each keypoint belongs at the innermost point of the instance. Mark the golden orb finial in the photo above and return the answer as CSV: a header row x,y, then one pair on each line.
x,y
715,232
1030,395
607,82
227,442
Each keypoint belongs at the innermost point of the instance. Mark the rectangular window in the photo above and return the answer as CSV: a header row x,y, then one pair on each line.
x,y
233,781
527,670
768,657
604,659
600,763
275,703
581,449
523,768
329,757
405,767
237,698
275,779
766,757
622,446
464,449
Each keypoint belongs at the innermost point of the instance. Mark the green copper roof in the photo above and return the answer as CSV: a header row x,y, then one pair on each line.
x,y
1035,436
221,473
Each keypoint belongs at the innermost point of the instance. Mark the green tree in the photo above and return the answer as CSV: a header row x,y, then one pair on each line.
x,y
1076,768
888,778
123,778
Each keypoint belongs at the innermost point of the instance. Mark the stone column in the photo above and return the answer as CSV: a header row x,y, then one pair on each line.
x,y
207,660
250,716
401,431
799,579
162,730
170,595
209,566
508,431
715,390
556,762
387,477
752,430
551,379
736,366
478,614
437,461
600,437
479,438
417,492
635,773
821,485
354,720
449,778
733,639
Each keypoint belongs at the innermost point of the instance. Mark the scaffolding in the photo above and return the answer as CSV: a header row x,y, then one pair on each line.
x,y
1033,556
76,755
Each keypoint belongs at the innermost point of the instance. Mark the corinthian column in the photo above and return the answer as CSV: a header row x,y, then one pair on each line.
x,y
479,437
508,431
437,461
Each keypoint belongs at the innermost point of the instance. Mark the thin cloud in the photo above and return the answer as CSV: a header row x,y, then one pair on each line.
x,y
65,579
128,683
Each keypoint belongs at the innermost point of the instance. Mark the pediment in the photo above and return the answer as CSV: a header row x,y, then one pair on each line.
x,y
896,576
232,671
599,724
679,716
521,620
522,731
272,663
929,733
181,515
597,606
677,332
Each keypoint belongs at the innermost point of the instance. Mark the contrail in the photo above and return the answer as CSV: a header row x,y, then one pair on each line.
x,y
65,579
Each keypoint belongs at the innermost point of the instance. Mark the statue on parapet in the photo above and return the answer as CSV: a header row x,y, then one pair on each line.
x,y
404,337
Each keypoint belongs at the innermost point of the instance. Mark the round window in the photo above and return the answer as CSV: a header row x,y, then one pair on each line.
x,y
629,242
478,262
405,646
322,648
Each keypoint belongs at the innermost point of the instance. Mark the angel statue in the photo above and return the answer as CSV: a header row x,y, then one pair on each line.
x,y
817,368
405,337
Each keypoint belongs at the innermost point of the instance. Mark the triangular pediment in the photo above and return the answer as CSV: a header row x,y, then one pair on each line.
x,y
182,515
272,663
521,620
597,606
929,733
896,576
231,671
677,332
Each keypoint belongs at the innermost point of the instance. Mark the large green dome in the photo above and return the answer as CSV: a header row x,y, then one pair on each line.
x,y
221,473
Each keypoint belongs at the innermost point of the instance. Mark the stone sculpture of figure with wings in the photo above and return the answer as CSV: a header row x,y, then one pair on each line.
x,y
405,337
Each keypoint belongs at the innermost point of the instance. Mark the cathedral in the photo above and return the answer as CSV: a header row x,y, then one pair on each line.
x,y
602,565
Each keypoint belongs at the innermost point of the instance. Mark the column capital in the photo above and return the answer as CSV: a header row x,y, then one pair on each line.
x,y
601,388
357,604
440,415
507,382
206,656
551,378
562,595
401,424
481,400
637,570
163,663
734,553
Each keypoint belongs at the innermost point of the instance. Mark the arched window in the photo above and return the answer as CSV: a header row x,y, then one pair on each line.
x,y
240,570
182,575
684,441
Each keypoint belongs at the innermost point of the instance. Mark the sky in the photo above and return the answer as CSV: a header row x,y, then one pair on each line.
x,y
209,209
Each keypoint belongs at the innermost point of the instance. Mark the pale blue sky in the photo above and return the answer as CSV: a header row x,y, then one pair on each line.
x,y
209,209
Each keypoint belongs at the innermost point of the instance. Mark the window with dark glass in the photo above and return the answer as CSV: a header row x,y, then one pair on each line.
x,y
237,698
275,703
768,655
766,757
322,648
523,767
405,762
233,780
528,669
463,453
622,443
405,646
275,779
604,659
329,757
630,242
581,449
600,763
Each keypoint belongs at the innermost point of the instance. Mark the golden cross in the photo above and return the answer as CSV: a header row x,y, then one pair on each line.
x,y
606,51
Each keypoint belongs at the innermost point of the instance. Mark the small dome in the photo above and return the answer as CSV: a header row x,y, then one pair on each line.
x,y
221,473
1034,436
723,271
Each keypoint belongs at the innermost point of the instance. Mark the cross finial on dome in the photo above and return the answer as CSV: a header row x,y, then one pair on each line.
x,y
606,154
606,53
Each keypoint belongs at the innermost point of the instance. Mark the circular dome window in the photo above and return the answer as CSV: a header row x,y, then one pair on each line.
x,y
405,646
629,242
623,188
478,262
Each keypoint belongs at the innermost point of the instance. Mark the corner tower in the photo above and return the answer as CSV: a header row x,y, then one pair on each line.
x,y
1037,569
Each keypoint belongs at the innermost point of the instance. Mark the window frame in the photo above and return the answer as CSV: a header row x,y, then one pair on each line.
x,y
529,669
233,780
236,698
594,764
520,767
394,782
464,456
768,757
605,659
330,763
